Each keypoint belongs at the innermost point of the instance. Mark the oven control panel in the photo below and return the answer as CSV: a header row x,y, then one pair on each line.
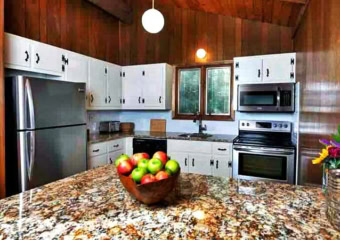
x,y
265,126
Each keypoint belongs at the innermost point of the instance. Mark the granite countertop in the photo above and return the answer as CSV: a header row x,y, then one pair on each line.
x,y
99,137
94,205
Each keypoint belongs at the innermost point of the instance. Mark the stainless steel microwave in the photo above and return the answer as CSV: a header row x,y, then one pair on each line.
x,y
266,97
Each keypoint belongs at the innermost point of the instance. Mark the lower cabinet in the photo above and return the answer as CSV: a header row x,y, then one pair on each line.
x,y
112,156
205,158
97,161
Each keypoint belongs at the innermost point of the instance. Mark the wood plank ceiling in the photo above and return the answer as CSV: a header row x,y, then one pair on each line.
x,y
280,12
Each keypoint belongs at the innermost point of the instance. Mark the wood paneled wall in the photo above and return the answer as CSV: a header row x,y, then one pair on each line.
x,y
76,25
318,46
187,30
2,105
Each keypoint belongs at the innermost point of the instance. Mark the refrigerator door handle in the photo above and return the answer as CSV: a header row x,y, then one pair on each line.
x,y
30,103
31,155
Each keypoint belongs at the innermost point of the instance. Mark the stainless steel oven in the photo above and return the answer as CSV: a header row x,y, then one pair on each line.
x,y
266,97
264,151
264,163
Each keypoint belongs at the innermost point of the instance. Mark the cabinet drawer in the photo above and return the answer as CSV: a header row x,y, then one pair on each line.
x,y
115,145
189,146
221,148
97,161
97,149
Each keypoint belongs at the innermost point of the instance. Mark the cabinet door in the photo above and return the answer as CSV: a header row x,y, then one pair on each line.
x,y
97,83
17,52
47,59
114,86
76,68
132,87
97,161
222,166
279,68
248,69
112,156
182,159
153,86
200,164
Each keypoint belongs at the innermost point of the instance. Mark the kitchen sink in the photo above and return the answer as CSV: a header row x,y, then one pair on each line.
x,y
195,135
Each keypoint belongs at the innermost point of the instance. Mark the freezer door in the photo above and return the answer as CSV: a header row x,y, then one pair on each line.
x,y
50,154
43,103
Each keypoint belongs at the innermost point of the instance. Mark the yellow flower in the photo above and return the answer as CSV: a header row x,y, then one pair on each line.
x,y
323,155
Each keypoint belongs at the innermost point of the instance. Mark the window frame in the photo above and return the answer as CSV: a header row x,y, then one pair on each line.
x,y
203,94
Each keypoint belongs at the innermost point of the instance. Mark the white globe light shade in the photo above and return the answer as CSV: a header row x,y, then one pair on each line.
x,y
201,53
153,21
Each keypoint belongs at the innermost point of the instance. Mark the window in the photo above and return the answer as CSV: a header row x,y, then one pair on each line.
x,y
204,90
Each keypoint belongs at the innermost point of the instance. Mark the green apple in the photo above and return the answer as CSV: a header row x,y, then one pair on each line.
x,y
137,174
172,166
143,163
121,158
155,165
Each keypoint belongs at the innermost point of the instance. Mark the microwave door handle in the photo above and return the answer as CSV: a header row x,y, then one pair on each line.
x,y
30,103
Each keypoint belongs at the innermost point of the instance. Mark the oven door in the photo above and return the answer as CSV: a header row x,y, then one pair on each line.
x,y
256,163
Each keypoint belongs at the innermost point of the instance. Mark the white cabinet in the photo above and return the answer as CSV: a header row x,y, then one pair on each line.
x,y
97,161
77,67
248,69
17,52
276,68
200,157
147,87
112,156
114,86
27,55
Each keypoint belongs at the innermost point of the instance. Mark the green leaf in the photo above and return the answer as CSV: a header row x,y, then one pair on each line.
x,y
338,163
339,129
336,138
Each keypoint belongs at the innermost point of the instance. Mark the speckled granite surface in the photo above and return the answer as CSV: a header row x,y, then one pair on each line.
x,y
93,205
97,137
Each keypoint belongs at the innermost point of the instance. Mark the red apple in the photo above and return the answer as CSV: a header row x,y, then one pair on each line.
x,y
162,175
125,167
148,178
138,156
161,156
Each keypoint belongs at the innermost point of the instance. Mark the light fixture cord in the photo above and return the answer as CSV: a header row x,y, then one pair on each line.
x,y
153,3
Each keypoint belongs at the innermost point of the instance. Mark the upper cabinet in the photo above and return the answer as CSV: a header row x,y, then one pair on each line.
x,y
147,87
27,55
76,67
277,68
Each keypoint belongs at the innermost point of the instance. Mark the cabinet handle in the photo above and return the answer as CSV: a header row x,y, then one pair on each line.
x,y
160,99
267,72
92,98
38,58
139,100
259,73
193,162
123,100
211,162
143,101
236,78
123,74
186,162
105,100
222,149
111,161
27,56
63,68
230,164
97,150
216,164
143,73
116,145
109,99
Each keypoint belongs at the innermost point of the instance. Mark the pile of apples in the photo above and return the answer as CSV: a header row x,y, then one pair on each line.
x,y
144,170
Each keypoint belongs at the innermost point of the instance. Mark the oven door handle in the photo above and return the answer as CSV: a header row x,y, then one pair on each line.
x,y
265,151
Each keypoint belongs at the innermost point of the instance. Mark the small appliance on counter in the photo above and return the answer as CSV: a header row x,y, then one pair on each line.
x,y
109,127
264,151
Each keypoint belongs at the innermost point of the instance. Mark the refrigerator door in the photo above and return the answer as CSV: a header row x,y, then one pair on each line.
x,y
42,103
50,154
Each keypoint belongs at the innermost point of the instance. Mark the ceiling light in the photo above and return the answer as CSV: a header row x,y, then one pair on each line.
x,y
153,20
201,53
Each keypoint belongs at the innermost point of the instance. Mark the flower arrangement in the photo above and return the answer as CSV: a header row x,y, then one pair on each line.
x,y
330,156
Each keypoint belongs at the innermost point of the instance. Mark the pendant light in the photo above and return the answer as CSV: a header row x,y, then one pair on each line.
x,y
153,20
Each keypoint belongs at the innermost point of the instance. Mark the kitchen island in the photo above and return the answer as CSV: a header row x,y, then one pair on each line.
x,y
94,205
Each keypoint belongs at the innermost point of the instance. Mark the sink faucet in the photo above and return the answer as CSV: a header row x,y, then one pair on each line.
x,y
201,128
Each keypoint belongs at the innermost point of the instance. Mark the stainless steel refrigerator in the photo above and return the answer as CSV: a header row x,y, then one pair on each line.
x,y
45,131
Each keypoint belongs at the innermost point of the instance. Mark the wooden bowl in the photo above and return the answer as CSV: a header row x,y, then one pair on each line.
x,y
150,193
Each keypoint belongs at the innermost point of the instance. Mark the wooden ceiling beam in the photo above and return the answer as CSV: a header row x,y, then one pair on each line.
x,y
295,1
300,17
117,8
